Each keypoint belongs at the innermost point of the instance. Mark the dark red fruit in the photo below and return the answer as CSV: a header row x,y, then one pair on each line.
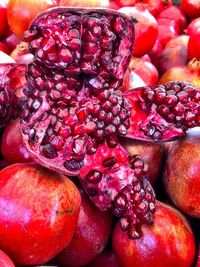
x,y
193,27
13,149
191,8
4,48
193,46
152,153
90,237
146,29
169,242
38,213
182,174
167,30
5,261
176,14
106,259
3,18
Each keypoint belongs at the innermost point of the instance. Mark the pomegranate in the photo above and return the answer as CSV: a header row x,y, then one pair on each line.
x,y
176,14
191,8
152,154
169,242
145,69
146,29
188,73
155,51
12,146
182,174
167,30
72,110
193,27
5,261
11,40
4,48
91,235
106,259
38,213
174,54
193,46
3,20
155,6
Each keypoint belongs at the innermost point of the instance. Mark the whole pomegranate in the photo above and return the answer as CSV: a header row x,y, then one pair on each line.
x,y
106,259
152,154
182,174
38,213
169,242
189,73
90,237
12,146
5,261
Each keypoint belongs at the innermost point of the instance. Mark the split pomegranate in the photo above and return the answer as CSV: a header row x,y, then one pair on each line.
x,y
72,110
38,213
169,242
182,174
91,236
13,149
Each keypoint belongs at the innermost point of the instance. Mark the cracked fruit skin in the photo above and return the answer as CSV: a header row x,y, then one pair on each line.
x,y
38,213
182,174
169,242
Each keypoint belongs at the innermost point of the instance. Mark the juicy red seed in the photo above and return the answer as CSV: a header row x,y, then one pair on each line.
x,y
73,165
133,233
120,201
171,100
125,223
94,177
48,151
109,162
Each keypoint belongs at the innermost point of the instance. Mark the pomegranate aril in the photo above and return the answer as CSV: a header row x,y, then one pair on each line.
x,y
94,177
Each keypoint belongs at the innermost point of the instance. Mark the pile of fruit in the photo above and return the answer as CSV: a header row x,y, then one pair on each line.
x,y
99,133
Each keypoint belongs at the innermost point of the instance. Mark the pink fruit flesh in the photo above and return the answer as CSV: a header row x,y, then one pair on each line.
x,y
72,111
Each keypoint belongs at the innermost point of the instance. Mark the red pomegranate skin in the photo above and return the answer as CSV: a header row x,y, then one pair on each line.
x,y
106,259
91,235
168,242
5,261
182,174
38,213
12,146
151,153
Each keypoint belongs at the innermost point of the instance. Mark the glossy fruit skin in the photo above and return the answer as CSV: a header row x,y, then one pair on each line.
x,y
169,242
145,69
3,19
182,73
191,8
5,261
12,146
174,54
167,30
152,154
91,235
193,46
106,259
31,8
4,48
146,29
38,213
182,174
174,13
193,27
27,10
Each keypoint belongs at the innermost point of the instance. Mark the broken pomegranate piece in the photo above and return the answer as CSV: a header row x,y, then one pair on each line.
x,y
163,112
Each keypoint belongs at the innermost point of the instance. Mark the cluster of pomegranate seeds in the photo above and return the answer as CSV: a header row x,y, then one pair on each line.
x,y
163,112
120,182
71,103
